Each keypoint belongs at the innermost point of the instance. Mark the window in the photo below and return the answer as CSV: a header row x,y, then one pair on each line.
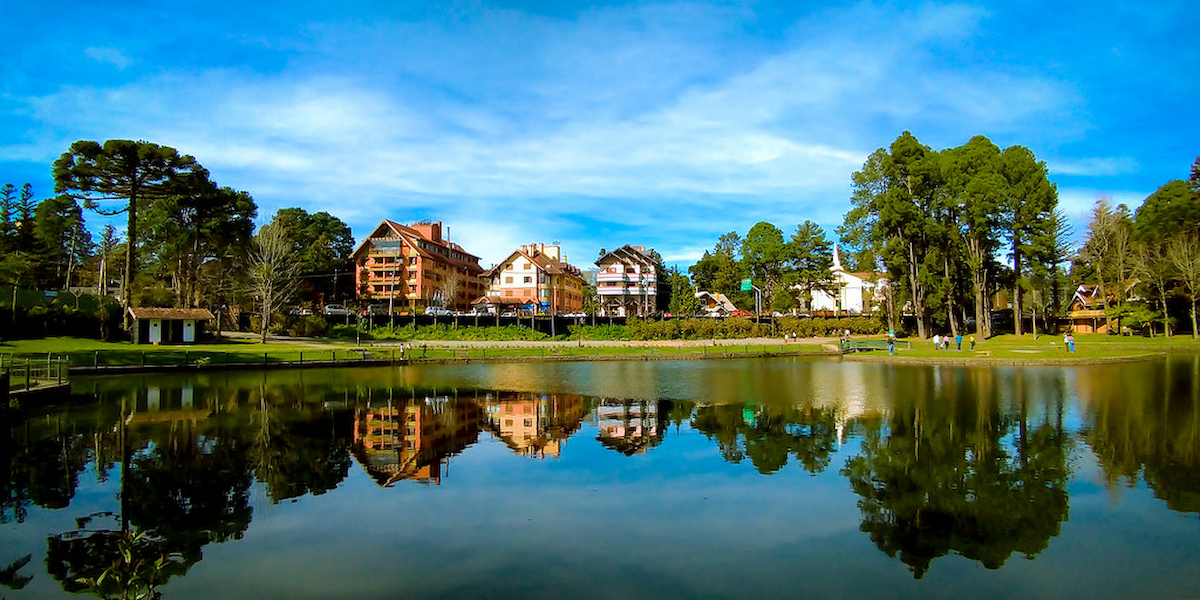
x,y
528,280
528,266
508,280
529,422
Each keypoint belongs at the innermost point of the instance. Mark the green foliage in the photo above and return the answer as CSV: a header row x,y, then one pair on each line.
x,y
132,174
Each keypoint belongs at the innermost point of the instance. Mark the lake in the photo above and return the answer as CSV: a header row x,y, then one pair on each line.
x,y
768,478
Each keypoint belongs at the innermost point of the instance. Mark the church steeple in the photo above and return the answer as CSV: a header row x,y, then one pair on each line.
x,y
837,259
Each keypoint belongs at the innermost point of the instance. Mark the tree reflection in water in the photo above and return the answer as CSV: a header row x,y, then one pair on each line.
x,y
768,435
935,476
1147,426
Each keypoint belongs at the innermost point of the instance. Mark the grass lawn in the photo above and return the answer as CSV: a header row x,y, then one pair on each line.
x,y
87,352
1026,347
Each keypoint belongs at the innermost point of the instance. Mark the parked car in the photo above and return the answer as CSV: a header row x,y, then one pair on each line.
x,y
578,313
437,311
375,310
336,310
300,311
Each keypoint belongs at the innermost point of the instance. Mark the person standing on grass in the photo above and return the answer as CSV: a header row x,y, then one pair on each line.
x,y
891,343
972,342
1070,343
937,341
958,341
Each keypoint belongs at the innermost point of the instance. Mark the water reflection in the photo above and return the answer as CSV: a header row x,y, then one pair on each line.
x,y
939,461
1146,425
950,471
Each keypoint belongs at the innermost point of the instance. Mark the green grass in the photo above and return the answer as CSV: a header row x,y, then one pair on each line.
x,y
1087,346
86,352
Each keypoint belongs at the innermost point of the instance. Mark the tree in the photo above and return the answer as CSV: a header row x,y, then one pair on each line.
x,y
811,261
63,242
321,244
1030,199
8,210
904,214
975,188
1107,251
720,271
765,257
123,171
196,223
273,271
683,295
1184,253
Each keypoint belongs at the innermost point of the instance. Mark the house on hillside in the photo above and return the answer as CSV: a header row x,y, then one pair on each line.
x,y
537,275
855,292
627,283
413,266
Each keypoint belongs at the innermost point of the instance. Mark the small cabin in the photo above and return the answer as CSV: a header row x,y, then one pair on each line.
x,y
168,325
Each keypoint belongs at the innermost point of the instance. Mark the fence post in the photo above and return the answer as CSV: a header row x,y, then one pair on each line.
x,y
143,363
301,357
96,359
28,373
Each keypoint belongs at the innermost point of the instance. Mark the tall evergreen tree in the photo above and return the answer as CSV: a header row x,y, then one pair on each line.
x,y
1030,199
127,173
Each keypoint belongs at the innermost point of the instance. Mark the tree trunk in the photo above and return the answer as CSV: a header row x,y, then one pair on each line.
x,y
1017,308
918,293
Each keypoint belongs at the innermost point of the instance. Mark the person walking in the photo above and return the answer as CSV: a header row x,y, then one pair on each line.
x,y
891,343
972,342
1070,343
937,341
958,341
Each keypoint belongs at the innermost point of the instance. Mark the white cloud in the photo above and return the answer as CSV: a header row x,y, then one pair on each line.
x,y
1092,167
107,55
651,127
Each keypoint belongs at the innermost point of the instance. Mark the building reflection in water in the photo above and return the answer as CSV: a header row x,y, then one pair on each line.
x,y
413,438
531,424
629,426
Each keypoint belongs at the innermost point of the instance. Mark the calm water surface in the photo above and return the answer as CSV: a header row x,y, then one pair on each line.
x,y
717,479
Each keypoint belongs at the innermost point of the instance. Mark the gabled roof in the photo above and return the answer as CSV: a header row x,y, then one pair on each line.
x,y
142,313
629,253
719,302
543,262
388,229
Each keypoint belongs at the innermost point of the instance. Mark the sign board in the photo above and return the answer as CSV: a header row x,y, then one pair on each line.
x,y
746,286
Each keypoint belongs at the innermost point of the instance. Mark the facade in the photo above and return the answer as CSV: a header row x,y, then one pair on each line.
x,y
534,425
1086,311
537,275
630,426
413,439
855,291
627,283
168,325
412,266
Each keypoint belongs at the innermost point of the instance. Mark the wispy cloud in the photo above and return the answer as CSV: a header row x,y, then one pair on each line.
x,y
111,56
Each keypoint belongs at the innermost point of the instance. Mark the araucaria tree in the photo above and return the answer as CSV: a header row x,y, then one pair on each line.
x,y
127,174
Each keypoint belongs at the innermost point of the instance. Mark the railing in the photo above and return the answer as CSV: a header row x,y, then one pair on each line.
x,y
26,373
848,346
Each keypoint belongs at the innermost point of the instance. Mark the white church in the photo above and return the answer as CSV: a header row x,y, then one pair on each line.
x,y
855,291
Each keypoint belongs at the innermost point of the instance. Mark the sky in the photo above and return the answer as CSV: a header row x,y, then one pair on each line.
x,y
596,125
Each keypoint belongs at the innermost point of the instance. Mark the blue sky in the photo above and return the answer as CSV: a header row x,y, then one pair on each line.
x,y
597,125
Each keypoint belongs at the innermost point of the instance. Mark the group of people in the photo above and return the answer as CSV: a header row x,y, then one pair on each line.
x,y
942,342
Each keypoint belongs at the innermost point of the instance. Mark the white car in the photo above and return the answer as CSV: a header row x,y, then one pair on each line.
x,y
438,311
335,310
